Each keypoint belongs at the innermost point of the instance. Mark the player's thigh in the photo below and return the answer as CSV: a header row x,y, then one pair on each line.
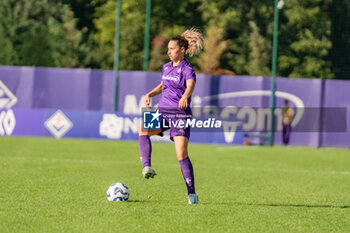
x,y
149,132
181,144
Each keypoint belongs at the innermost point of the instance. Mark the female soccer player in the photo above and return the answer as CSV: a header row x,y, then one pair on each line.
x,y
176,87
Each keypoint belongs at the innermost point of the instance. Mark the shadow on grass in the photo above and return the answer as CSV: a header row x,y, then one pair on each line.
x,y
279,205
138,201
295,205
145,201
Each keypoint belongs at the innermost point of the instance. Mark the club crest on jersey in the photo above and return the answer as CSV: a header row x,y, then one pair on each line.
x,y
179,70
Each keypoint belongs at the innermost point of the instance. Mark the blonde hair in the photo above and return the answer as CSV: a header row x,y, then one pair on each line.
x,y
195,41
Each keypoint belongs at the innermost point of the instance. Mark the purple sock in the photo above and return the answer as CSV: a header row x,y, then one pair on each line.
x,y
187,172
145,150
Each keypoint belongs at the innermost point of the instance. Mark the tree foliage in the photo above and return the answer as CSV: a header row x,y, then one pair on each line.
x,y
131,34
158,53
214,45
39,33
314,35
259,56
305,39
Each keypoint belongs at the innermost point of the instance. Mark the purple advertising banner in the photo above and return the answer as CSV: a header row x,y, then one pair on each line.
x,y
337,94
68,123
88,90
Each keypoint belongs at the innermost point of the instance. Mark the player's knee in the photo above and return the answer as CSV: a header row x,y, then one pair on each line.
x,y
142,131
181,154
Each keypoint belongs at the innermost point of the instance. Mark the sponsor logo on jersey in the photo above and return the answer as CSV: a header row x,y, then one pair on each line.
x,y
171,78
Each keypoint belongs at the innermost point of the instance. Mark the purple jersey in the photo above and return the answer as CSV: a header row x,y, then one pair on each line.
x,y
174,83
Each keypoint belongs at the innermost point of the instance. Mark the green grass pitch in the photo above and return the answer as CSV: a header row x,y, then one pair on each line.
x,y
49,185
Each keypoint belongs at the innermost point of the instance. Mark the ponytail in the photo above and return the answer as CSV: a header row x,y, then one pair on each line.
x,y
191,40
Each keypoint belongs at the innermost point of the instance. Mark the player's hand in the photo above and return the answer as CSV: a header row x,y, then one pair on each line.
x,y
183,103
147,101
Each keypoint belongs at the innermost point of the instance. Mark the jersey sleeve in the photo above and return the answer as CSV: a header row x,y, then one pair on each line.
x,y
163,69
189,73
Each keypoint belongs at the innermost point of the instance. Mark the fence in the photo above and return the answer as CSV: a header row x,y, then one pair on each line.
x,y
85,98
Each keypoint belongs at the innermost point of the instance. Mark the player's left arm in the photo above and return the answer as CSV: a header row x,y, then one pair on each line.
x,y
183,103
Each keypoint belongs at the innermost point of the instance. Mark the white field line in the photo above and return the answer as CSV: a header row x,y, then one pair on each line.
x,y
224,148
305,171
57,160
291,170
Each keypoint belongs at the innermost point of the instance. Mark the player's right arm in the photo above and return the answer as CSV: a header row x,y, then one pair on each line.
x,y
156,91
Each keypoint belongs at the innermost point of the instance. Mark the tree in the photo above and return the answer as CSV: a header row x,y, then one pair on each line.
x,y
259,56
84,12
168,19
304,36
313,35
131,34
339,54
39,33
234,17
214,45
304,40
158,53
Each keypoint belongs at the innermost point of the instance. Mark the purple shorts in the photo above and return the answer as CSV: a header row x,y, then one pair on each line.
x,y
176,122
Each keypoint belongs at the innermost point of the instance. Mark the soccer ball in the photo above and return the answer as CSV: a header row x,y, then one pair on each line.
x,y
118,192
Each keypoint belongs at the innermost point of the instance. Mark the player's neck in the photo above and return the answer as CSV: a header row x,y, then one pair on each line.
x,y
175,63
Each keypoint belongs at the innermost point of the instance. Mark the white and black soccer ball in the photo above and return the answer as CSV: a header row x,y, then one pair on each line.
x,y
118,192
